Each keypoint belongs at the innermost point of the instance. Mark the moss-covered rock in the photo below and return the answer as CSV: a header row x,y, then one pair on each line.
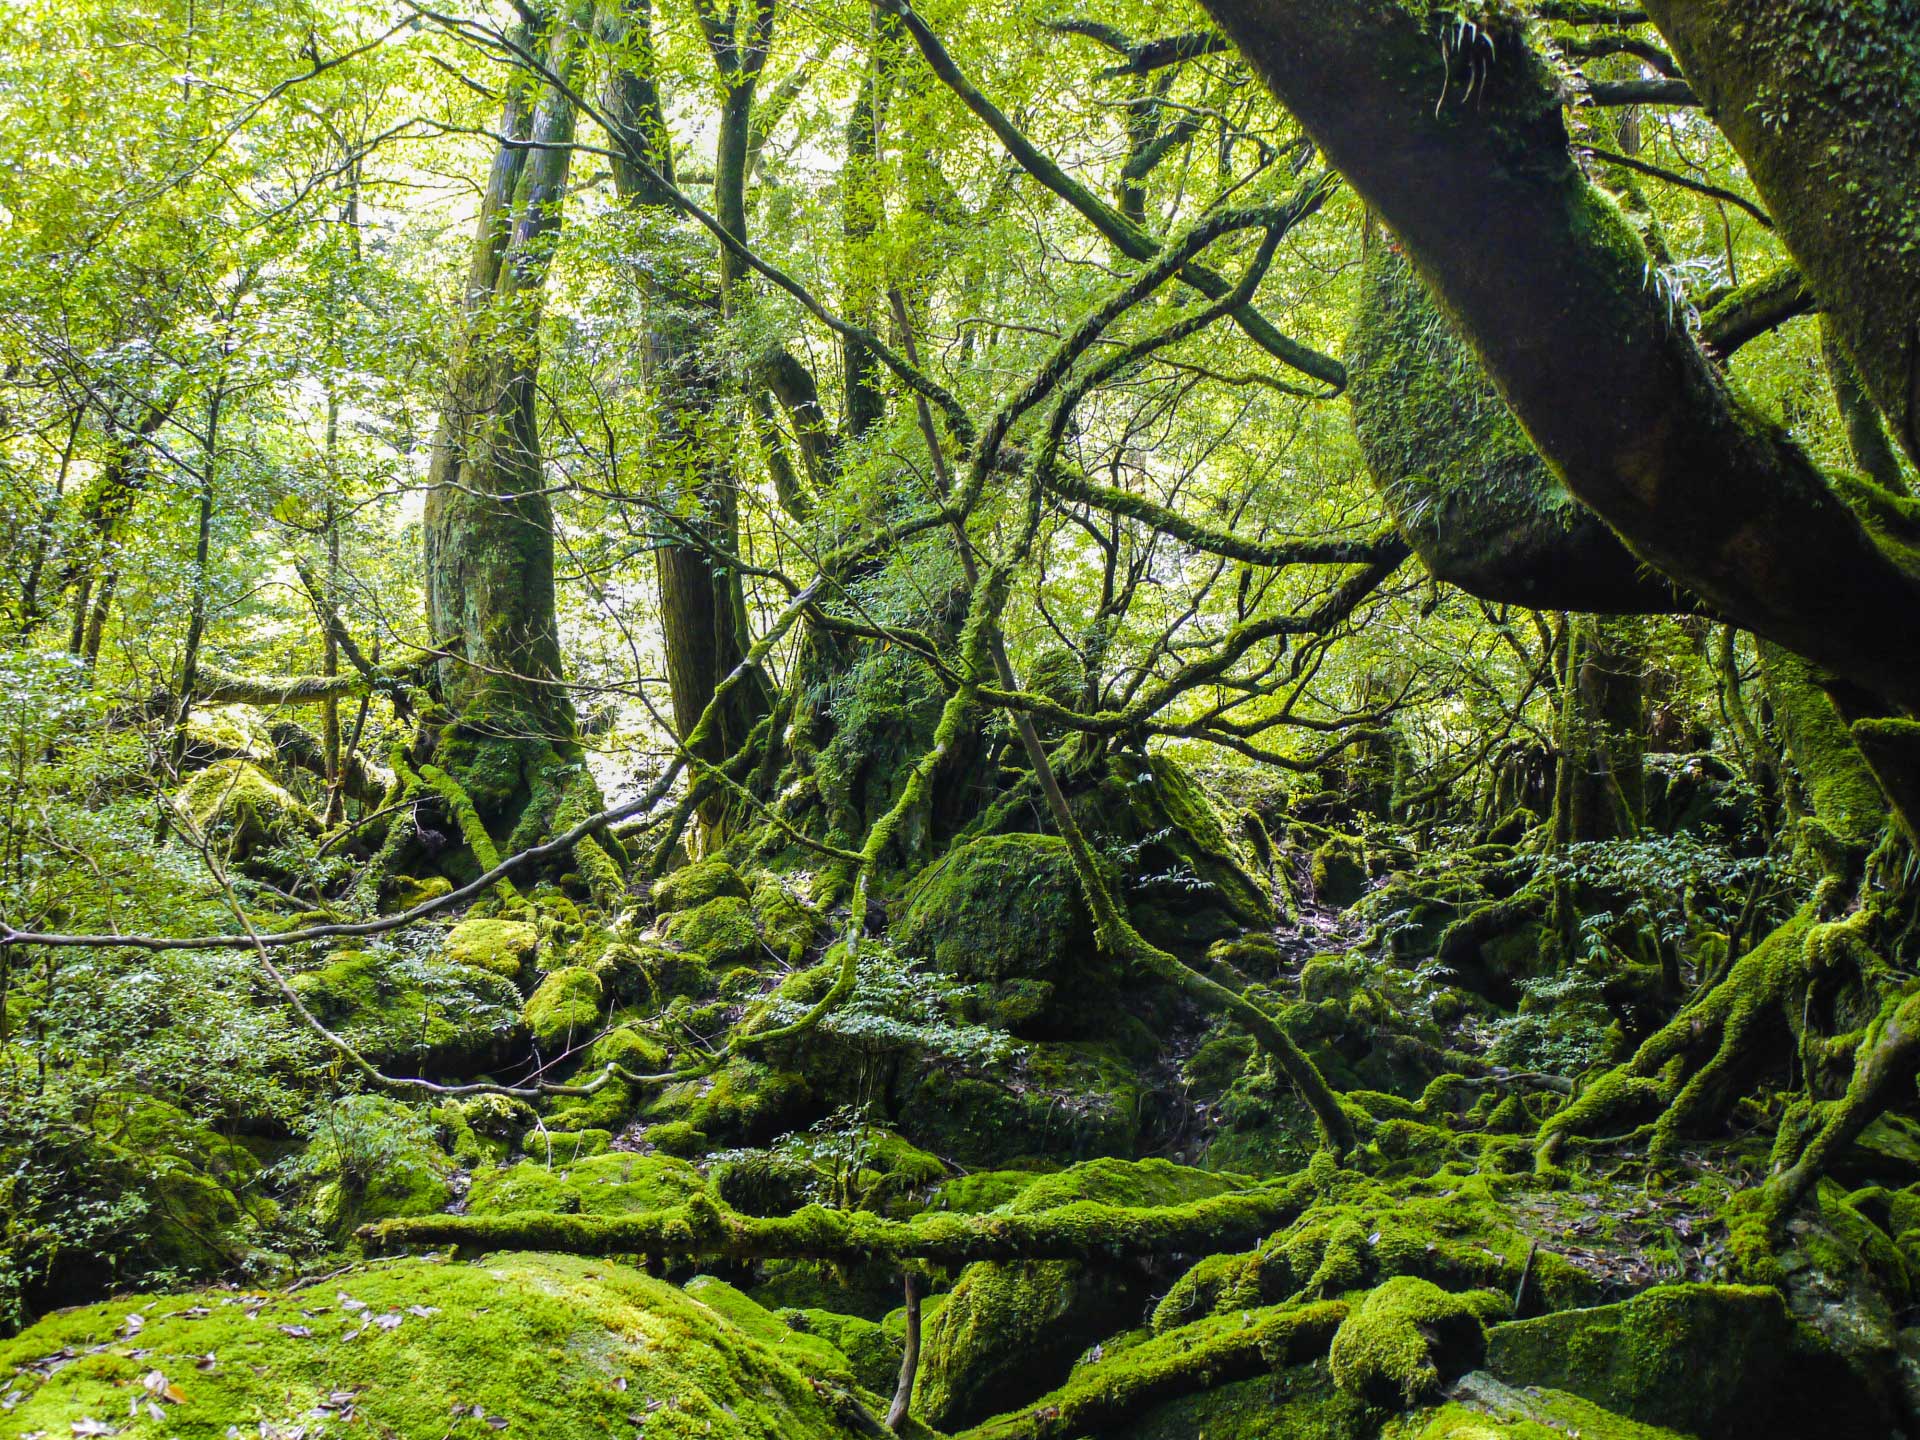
x,y
1338,871
744,1102
1405,1340
504,947
871,1349
538,1347
799,1346
1296,1402
1069,1102
1187,877
238,804
1009,1332
565,1010
1487,1410
395,1009
1723,1362
617,1183
789,926
723,931
406,891
692,886
634,972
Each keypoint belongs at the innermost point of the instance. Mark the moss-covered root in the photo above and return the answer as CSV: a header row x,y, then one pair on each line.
x,y
1692,1068
1885,1065
1403,1341
703,1228
1211,1352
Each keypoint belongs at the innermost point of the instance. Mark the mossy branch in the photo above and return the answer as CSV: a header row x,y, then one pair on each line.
x,y
705,1229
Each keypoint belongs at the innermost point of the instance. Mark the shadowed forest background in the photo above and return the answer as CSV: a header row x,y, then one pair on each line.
x,y
1043,720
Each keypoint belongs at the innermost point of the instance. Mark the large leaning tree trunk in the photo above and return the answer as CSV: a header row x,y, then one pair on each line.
x,y
1548,279
506,737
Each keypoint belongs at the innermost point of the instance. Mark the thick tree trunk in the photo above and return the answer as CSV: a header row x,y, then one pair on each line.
x,y
1552,286
1822,100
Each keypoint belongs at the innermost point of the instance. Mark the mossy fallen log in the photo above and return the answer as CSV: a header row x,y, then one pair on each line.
x,y
704,1228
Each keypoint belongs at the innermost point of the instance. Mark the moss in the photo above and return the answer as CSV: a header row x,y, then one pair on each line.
x,y
1712,1360
692,886
1296,1402
505,947
1066,1102
872,1351
1119,1389
238,804
1535,1415
676,1137
1404,1341
379,1161
810,1353
788,924
618,1183
549,1147
745,1102
565,1010
536,1347
445,1018
406,891
722,930
1339,871
1002,911
981,1191
1007,1332
637,972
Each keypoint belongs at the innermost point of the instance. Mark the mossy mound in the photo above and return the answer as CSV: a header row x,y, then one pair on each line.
x,y
377,1159
403,892
724,931
1005,913
1071,1102
565,1010
1338,871
810,1353
694,885
1008,1332
789,926
504,947
617,1183
395,1009
871,1349
1403,1341
1723,1362
634,972
1188,879
539,1347
1487,1410
1296,1402
238,804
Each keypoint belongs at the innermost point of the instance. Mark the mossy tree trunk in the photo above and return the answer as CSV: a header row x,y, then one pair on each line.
x,y
506,737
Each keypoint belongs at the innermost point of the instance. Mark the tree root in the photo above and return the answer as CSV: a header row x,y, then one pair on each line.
x,y
706,1229
1104,1395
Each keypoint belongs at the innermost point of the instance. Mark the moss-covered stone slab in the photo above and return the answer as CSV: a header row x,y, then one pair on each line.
x,y
504,947
616,1183
1724,1362
694,885
532,1347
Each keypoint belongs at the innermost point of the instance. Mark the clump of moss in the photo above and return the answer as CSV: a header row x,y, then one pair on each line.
x,y
616,1183
504,947
805,1350
1403,1341
407,891
1338,871
870,1348
565,1010
789,925
1006,907
538,1347
638,973
375,1159
722,930
393,1009
695,885
243,807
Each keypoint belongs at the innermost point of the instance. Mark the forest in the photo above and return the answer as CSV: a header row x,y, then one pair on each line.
x,y
812,719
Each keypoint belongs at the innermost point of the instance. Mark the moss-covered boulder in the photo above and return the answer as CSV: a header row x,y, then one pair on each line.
x,y
403,892
1485,1409
808,1352
535,1347
1069,1101
723,931
616,1183
565,1010
1405,1340
637,973
692,886
1724,1362
238,804
871,1348
1187,875
1010,1332
398,1009
789,925
504,947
